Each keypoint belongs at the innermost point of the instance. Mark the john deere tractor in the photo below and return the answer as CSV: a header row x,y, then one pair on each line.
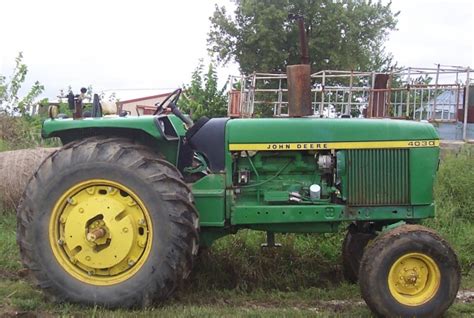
x,y
117,215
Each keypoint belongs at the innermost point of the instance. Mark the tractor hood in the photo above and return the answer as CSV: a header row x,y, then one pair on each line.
x,y
242,133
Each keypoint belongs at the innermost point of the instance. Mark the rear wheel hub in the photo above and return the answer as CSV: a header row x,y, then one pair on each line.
x,y
100,232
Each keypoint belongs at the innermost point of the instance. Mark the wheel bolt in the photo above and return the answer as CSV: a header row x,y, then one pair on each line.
x,y
81,210
73,260
60,242
125,230
131,262
88,258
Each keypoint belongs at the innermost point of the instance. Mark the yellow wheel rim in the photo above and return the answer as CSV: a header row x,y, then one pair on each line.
x,y
100,232
414,279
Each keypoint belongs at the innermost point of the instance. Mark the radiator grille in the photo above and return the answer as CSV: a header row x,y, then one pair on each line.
x,y
378,177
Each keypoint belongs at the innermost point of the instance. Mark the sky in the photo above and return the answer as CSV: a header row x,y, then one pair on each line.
x,y
122,45
433,31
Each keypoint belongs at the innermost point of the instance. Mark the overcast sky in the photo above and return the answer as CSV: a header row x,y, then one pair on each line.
x,y
114,45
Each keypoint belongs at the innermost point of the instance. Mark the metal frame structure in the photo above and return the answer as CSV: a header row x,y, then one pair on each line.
x,y
433,94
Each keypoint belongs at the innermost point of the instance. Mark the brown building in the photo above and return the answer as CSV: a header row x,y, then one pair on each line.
x,y
141,106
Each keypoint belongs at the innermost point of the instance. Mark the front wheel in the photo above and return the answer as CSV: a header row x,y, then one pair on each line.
x,y
409,272
104,222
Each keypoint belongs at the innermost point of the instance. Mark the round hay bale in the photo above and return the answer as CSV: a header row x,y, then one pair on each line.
x,y
16,169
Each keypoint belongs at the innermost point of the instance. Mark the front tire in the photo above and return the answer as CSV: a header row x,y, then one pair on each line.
x,y
409,272
105,222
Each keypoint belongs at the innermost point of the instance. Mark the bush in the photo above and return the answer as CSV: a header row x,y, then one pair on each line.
x,y
454,193
19,133
454,190
22,133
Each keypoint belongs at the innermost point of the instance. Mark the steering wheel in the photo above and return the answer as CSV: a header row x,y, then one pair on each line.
x,y
172,98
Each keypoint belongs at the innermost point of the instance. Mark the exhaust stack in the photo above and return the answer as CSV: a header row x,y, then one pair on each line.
x,y
299,77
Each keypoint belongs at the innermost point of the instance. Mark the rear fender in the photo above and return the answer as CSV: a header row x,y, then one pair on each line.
x,y
163,133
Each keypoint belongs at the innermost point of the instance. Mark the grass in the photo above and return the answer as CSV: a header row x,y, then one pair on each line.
x,y
231,279
454,193
236,278
9,255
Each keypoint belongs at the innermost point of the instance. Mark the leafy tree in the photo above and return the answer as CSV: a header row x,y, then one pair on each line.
x,y
10,102
347,34
202,96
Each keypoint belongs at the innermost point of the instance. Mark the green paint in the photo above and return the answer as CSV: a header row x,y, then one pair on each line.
x,y
286,214
209,196
276,196
119,126
393,226
271,214
377,185
423,167
423,211
280,130
54,127
178,125
314,227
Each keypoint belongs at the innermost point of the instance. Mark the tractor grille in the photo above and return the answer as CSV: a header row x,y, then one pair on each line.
x,y
378,177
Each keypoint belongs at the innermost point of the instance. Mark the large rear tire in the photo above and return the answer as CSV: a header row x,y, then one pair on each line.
x,y
106,222
409,272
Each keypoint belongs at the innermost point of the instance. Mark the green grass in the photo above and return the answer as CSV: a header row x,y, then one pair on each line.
x,y
214,288
235,277
302,261
4,146
9,256
454,196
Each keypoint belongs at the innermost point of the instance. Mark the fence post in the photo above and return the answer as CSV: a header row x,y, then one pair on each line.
x,y
408,93
436,96
321,106
386,110
349,102
371,101
466,105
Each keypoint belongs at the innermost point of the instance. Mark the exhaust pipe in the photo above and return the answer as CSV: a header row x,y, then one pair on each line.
x,y
299,77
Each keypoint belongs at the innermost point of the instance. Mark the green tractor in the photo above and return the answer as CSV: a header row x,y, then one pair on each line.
x,y
116,217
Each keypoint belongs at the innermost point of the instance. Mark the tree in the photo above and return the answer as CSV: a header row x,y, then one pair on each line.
x,y
10,102
202,97
347,34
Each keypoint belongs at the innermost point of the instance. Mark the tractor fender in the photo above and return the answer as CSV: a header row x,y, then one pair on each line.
x,y
162,133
